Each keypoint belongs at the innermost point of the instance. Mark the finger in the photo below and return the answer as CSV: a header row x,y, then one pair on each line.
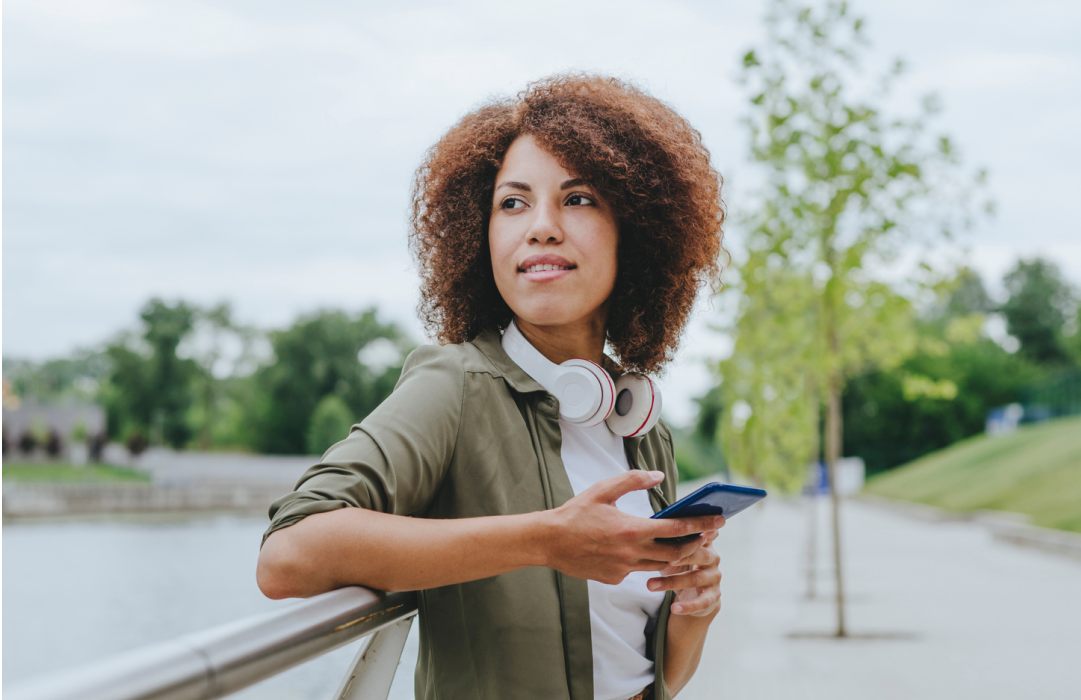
x,y
652,565
609,490
705,557
671,553
679,527
709,599
696,578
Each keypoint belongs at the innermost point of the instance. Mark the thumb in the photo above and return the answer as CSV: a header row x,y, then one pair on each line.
x,y
609,490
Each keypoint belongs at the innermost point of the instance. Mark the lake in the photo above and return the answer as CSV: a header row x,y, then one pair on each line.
x,y
80,590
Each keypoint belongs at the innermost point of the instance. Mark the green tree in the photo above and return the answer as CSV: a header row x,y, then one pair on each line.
x,y
943,391
224,352
150,388
317,357
697,450
330,423
930,401
1071,338
1041,304
68,378
846,189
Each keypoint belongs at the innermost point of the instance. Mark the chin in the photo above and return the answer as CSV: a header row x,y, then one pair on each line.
x,y
550,313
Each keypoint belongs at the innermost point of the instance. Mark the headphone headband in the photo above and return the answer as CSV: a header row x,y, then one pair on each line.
x,y
587,395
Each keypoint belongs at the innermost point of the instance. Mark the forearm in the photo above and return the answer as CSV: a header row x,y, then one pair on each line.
x,y
355,546
683,646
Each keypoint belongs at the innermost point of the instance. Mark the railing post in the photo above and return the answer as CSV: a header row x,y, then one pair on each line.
x,y
372,670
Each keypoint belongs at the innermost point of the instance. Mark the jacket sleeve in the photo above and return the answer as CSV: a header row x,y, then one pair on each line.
x,y
394,460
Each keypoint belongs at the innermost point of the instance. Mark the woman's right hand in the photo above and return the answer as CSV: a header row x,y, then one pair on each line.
x,y
595,540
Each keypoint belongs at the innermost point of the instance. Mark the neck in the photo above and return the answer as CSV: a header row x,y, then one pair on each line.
x,y
583,339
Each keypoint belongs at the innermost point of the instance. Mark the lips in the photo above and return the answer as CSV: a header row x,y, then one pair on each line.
x,y
545,263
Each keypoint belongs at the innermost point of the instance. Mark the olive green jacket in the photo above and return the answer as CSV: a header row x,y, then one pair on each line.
x,y
468,433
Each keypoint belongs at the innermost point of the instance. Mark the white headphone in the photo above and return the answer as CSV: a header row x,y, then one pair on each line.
x,y
587,396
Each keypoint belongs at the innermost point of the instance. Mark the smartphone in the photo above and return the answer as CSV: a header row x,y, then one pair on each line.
x,y
711,499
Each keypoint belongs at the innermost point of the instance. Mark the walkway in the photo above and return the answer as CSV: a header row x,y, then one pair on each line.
x,y
944,611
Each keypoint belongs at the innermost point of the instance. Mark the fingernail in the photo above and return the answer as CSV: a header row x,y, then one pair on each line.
x,y
657,475
677,608
654,585
718,521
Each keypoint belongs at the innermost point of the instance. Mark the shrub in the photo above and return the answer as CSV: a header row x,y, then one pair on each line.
x,y
53,444
136,443
27,442
330,423
96,446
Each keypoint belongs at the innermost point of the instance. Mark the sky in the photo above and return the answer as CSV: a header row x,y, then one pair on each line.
x,y
261,152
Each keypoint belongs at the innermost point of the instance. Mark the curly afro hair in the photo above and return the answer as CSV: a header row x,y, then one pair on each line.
x,y
641,156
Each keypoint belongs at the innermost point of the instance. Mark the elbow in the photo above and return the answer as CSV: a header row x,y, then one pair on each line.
x,y
278,572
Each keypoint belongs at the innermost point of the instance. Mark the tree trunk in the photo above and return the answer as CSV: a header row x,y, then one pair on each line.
x,y
208,410
812,530
833,454
812,544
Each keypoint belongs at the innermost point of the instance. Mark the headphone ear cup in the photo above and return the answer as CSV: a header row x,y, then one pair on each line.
x,y
583,411
637,406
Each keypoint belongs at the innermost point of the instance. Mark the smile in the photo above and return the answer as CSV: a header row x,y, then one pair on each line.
x,y
545,268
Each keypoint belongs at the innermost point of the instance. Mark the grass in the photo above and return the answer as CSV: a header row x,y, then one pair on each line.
x,y
1035,471
59,472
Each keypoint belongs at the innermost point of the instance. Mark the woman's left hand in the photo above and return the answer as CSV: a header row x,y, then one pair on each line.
x,y
696,581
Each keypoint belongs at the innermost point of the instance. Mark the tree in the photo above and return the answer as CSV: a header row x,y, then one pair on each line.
x,y
943,391
317,357
223,350
150,388
1040,305
846,189
330,423
77,377
697,450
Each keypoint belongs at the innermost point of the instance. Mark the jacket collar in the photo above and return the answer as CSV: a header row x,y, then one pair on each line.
x,y
489,342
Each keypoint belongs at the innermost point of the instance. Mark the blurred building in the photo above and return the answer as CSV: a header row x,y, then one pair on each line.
x,y
65,431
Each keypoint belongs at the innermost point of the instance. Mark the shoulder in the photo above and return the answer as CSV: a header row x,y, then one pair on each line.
x,y
452,361
436,378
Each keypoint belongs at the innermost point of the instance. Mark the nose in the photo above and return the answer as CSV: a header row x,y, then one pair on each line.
x,y
545,227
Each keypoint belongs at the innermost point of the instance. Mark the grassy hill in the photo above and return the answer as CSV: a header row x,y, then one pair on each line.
x,y
1036,471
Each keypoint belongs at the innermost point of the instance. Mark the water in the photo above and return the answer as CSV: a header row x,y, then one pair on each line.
x,y
81,590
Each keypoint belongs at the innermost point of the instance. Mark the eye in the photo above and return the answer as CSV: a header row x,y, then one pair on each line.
x,y
512,203
578,200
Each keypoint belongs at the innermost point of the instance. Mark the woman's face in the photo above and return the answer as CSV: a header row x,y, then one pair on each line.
x,y
553,241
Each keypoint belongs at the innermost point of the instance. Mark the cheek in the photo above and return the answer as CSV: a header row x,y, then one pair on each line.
x,y
500,254
607,252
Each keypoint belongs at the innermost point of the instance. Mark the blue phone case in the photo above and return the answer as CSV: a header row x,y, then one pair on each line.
x,y
711,499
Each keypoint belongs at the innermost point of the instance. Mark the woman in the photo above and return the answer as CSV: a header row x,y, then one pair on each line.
x,y
580,213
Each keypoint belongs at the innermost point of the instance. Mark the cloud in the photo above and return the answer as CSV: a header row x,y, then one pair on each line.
x,y
1006,70
182,30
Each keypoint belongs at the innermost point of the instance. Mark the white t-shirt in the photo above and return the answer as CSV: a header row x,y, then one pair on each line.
x,y
618,614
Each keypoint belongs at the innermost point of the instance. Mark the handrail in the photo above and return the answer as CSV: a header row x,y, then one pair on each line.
x,y
231,657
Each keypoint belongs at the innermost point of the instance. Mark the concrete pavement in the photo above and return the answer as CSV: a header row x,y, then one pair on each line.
x,y
938,610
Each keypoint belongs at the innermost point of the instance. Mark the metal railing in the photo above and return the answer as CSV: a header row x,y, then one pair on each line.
x,y
222,660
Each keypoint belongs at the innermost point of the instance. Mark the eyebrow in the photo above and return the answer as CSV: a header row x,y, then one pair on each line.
x,y
576,182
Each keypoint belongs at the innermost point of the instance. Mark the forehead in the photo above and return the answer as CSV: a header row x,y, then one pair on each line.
x,y
526,161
